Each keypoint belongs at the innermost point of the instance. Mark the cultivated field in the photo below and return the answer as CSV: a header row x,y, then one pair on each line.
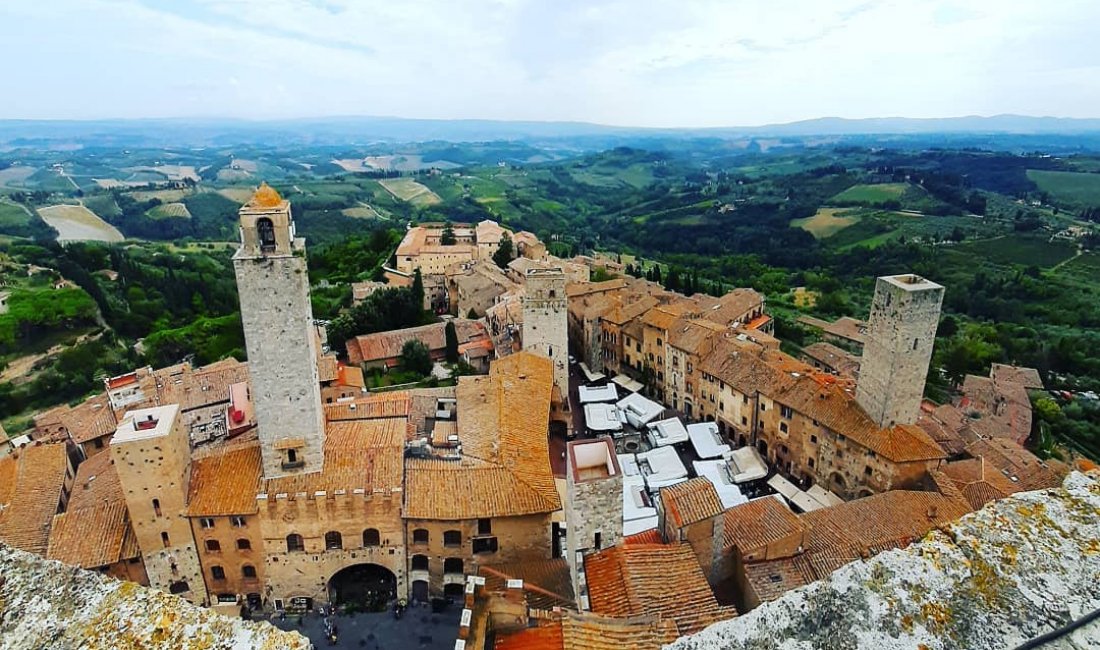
x,y
353,165
872,194
1085,268
363,211
1020,249
165,196
78,223
170,210
408,190
827,222
14,176
237,194
1077,188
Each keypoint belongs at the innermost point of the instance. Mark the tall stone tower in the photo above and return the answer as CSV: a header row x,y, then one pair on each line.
x,y
278,331
151,451
594,505
905,313
545,321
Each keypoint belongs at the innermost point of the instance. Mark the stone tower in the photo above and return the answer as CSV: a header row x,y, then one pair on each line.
x,y
151,451
594,505
905,313
279,334
545,321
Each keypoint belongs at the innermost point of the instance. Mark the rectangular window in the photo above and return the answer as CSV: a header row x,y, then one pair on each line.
x,y
813,440
206,522
484,527
786,411
783,427
485,545
744,421
237,521
811,462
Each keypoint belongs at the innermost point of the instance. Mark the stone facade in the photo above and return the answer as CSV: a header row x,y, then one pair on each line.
x,y
232,555
905,313
152,454
594,503
282,351
545,320
291,573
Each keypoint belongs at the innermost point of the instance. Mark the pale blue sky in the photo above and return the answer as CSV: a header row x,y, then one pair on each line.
x,y
629,62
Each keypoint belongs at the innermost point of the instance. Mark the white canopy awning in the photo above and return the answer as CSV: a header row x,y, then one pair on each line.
x,y
706,440
589,375
628,383
604,393
747,465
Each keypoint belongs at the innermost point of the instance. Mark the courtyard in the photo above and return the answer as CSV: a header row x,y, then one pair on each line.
x,y
418,629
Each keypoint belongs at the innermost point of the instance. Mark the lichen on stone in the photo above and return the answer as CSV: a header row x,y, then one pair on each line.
x,y
996,578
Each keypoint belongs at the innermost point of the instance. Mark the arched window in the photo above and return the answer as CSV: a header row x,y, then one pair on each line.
x,y
248,571
294,543
420,563
266,231
371,537
420,536
452,565
213,546
333,540
244,545
179,587
217,572
452,538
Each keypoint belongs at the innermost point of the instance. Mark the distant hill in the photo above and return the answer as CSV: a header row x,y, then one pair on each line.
x,y
571,135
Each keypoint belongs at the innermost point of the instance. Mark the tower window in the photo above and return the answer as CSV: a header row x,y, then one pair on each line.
x,y
156,507
915,341
164,540
597,541
265,229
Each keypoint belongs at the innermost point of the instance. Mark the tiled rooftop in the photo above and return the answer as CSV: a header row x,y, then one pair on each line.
x,y
225,483
690,502
36,480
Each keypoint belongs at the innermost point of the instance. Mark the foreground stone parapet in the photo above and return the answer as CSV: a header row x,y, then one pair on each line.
x,y
45,604
1021,567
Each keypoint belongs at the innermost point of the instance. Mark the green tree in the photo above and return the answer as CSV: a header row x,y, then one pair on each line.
x,y
418,287
504,253
415,357
448,236
452,342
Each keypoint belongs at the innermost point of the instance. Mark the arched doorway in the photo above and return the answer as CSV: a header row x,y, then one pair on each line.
x,y
366,586
837,484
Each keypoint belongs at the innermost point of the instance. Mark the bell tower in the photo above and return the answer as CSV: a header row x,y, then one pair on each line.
x,y
277,316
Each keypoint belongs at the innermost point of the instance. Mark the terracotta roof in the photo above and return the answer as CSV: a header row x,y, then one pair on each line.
x,y
631,309
350,376
96,482
327,367
34,497
754,525
200,387
505,468
651,536
657,580
663,317
690,502
92,536
844,327
888,520
692,335
547,583
1030,472
979,482
226,483
387,345
542,637
735,306
576,289
1026,377
359,454
827,354
92,419
382,405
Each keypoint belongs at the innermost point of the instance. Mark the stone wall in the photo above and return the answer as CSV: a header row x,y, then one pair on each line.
x,y
593,507
307,573
45,604
545,320
282,358
1017,569
905,313
229,556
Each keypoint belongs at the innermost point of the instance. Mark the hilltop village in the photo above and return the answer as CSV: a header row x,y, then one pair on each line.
x,y
629,466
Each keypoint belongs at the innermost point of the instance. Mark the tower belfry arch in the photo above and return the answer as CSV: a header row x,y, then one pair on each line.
x,y
273,285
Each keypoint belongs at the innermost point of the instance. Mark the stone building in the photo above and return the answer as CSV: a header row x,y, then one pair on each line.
x,y
478,486
905,313
593,508
545,321
277,316
152,455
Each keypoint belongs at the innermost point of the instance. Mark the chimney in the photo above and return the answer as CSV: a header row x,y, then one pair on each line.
x,y
932,512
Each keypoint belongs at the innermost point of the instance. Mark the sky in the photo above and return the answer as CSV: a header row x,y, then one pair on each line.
x,y
676,63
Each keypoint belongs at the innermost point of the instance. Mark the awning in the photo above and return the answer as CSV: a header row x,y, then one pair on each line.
x,y
628,383
604,393
591,376
747,465
823,496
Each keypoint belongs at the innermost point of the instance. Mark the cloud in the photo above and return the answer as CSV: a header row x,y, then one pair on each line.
x,y
661,63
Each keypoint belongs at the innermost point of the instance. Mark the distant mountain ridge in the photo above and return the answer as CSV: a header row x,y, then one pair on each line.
x,y
366,130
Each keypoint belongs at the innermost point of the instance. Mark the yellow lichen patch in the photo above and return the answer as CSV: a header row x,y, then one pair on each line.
x,y
936,616
1092,547
907,623
1008,554
265,197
